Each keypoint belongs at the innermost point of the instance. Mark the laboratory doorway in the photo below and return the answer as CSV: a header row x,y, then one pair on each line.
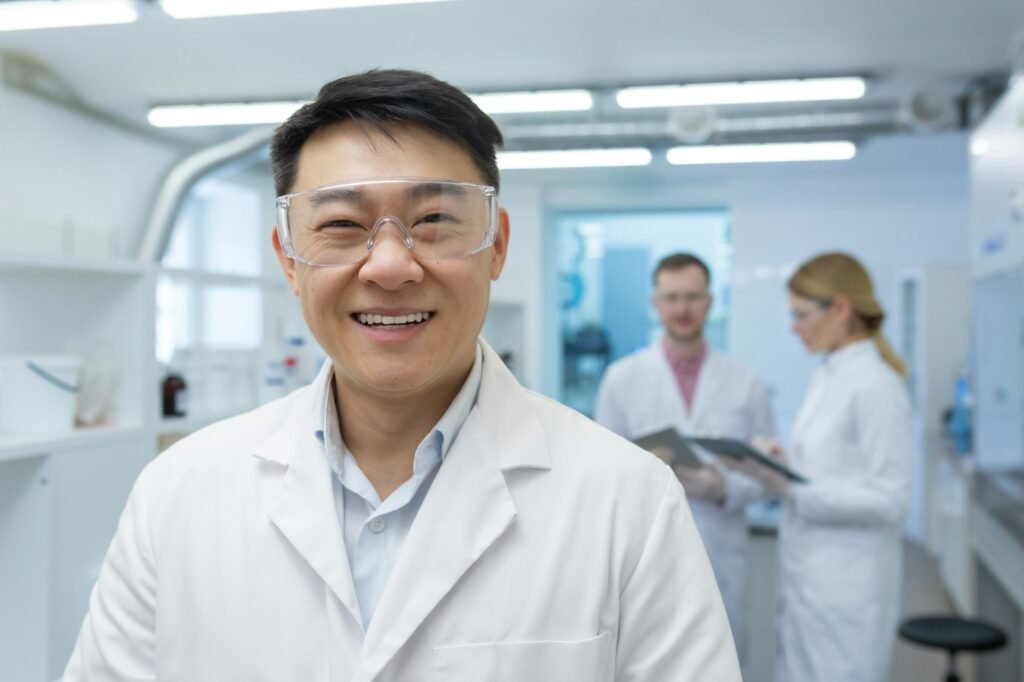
x,y
605,261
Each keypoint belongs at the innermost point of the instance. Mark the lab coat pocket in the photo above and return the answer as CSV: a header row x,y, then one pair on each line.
x,y
586,660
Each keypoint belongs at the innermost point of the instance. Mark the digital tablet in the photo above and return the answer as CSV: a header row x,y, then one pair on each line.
x,y
737,449
670,447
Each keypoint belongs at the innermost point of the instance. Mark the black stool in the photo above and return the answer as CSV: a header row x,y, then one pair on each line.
x,y
952,634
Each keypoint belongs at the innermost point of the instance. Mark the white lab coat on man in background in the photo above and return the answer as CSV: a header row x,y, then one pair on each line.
x,y
840,537
640,394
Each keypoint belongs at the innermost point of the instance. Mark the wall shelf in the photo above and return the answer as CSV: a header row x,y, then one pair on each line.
x,y
186,425
62,492
27,263
20,446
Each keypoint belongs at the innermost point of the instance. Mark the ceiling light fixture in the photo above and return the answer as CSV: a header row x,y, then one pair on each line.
x,y
762,153
35,14
197,9
575,158
534,102
746,92
195,115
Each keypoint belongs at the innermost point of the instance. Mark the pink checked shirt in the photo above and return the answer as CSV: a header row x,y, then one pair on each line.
x,y
686,371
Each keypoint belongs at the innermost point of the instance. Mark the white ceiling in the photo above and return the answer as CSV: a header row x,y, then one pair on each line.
x,y
494,45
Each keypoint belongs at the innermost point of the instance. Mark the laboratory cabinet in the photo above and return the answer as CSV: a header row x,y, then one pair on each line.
x,y
62,491
997,186
997,262
932,335
999,551
999,370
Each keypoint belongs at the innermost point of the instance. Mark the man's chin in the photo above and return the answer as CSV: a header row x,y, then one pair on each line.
x,y
689,336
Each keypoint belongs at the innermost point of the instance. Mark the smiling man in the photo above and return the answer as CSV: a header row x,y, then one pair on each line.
x,y
414,514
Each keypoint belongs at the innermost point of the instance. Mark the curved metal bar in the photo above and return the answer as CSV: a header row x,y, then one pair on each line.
x,y
180,180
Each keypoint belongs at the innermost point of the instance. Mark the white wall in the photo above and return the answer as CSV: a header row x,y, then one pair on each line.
x,y
522,280
85,189
71,185
902,202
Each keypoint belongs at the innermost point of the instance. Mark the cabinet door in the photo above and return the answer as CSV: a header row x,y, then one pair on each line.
x,y
997,187
999,371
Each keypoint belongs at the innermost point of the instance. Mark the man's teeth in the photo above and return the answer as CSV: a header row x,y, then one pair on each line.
x,y
372,320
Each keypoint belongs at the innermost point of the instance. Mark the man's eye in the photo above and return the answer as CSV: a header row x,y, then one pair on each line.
x,y
436,218
339,224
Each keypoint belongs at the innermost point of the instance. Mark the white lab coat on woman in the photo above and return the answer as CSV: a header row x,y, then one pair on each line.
x,y
547,549
639,394
840,542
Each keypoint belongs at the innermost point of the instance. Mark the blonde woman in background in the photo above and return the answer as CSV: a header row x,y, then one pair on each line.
x,y
839,539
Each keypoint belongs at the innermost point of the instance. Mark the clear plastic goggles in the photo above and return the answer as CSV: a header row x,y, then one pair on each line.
x,y
340,224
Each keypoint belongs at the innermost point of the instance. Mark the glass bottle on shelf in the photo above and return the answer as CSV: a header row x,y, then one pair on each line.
x,y
175,391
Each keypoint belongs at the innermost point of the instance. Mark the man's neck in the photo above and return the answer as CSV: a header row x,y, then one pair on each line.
x,y
686,349
383,431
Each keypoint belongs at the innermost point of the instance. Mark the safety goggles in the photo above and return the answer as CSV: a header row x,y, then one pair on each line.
x,y
340,224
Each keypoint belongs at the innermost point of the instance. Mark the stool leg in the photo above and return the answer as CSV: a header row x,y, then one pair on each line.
x,y
951,673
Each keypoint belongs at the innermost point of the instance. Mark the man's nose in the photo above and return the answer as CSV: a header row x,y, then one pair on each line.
x,y
391,262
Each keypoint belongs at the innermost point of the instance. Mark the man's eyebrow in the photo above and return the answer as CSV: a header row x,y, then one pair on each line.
x,y
330,195
428,189
422,190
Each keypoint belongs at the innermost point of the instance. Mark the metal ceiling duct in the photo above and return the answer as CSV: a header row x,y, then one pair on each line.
x,y
700,125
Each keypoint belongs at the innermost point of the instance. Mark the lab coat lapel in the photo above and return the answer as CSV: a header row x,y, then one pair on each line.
x,y
304,509
709,383
668,390
467,509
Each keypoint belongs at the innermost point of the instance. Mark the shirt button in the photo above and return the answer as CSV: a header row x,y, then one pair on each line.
x,y
377,524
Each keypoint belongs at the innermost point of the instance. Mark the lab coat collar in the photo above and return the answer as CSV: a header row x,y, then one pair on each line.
x,y
851,355
467,508
303,509
280,447
709,382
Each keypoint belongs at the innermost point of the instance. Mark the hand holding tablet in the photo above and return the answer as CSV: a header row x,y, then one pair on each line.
x,y
669,447
743,452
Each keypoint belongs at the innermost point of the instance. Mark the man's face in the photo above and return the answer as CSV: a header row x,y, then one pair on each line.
x,y
682,300
413,359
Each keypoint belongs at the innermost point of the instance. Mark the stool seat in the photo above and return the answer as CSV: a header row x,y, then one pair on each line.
x,y
952,634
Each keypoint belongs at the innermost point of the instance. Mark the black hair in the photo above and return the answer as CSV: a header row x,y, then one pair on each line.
x,y
382,98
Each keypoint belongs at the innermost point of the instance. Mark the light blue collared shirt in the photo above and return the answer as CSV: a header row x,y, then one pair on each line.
x,y
375,529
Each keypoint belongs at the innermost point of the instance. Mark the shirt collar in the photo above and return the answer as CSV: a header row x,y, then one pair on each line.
x,y
434,446
679,362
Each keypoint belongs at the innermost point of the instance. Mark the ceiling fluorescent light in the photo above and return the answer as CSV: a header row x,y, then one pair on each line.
x,y
532,102
762,153
196,9
33,14
575,158
193,115
748,92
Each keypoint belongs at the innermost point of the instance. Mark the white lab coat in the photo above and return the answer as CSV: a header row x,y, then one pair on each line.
x,y
547,549
639,394
840,544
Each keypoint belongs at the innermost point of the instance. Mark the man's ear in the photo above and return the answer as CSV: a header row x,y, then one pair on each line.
x,y
287,264
500,245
